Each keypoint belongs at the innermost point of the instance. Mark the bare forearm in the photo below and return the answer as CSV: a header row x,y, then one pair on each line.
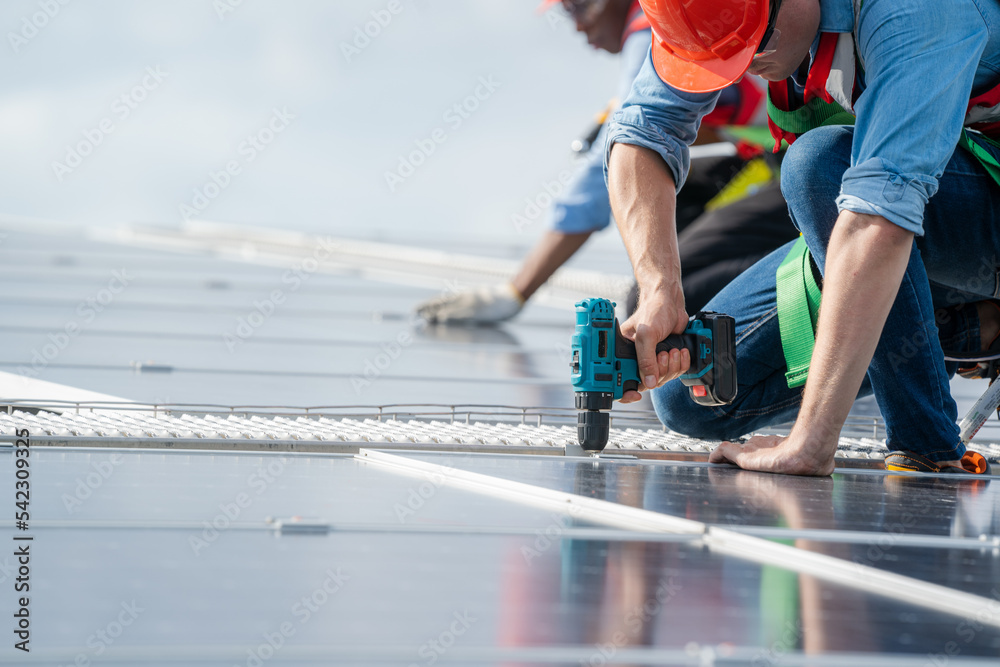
x,y
865,263
552,251
643,199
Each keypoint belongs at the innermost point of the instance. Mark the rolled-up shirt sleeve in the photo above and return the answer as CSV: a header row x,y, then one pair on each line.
x,y
920,60
660,118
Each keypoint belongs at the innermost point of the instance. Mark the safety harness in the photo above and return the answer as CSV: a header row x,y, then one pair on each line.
x,y
828,99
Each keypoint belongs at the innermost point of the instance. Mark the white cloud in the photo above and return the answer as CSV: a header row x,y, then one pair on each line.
x,y
354,119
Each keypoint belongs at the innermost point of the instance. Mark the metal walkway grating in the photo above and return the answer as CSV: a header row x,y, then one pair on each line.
x,y
496,428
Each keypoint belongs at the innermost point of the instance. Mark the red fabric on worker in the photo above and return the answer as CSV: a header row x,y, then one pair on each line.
x,y
989,99
636,21
752,97
778,92
815,86
741,113
821,67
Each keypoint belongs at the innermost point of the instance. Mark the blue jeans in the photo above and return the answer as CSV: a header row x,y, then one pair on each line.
x,y
956,261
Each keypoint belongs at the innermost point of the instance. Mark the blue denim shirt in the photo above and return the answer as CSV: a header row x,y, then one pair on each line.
x,y
584,206
920,62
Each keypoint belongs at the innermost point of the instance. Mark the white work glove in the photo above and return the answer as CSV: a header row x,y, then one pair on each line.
x,y
483,305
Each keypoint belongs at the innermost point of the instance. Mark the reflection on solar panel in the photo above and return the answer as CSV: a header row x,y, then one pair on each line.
x,y
229,558
202,534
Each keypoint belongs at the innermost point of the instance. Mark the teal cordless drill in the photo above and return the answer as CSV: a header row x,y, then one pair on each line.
x,y
605,365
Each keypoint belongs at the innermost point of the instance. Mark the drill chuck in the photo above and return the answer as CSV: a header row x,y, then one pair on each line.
x,y
592,429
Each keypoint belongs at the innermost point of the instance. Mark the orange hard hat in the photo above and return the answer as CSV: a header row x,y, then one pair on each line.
x,y
706,45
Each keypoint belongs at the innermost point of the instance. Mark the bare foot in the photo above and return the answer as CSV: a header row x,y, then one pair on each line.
x,y
774,453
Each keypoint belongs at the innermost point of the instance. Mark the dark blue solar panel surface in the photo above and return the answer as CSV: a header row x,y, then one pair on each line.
x,y
407,565
141,550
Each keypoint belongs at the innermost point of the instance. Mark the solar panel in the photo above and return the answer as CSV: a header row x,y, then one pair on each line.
x,y
186,526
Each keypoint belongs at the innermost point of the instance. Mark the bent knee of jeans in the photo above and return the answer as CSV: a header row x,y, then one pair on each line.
x,y
816,162
678,412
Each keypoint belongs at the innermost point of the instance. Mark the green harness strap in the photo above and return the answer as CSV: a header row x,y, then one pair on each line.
x,y
798,308
799,296
973,142
797,292
816,113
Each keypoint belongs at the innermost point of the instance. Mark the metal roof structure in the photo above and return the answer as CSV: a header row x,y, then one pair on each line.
x,y
183,513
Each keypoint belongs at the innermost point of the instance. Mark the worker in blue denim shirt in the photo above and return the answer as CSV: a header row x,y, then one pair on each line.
x,y
582,208
895,194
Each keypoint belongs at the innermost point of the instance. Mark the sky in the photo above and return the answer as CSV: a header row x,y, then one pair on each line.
x,y
330,117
